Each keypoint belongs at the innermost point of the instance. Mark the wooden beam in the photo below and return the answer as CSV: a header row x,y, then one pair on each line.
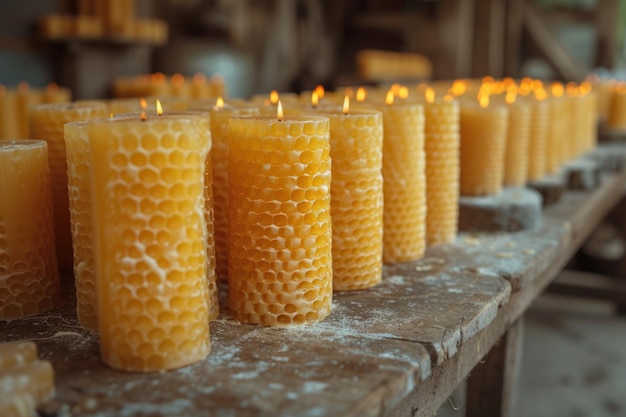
x,y
513,43
551,47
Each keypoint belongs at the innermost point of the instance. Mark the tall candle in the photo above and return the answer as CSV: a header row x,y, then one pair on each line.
x,y
404,182
517,138
442,146
29,276
617,110
25,98
46,121
8,114
356,140
150,239
537,144
483,138
280,243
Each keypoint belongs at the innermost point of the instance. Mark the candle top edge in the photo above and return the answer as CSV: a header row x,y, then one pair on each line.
x,y
81,104
12,144
151,117
286,118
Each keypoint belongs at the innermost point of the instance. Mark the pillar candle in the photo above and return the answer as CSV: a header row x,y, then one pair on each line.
x,y
17,354
556,137
8,114
280,227
150,239
442,146
24,387
617,111
29,276
47,122
404,182
56,94
539,121
483,139
25,98
516,148
356,141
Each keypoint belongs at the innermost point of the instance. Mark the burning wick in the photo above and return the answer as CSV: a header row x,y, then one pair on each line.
x,y
279,111
346,105
314,99
159,109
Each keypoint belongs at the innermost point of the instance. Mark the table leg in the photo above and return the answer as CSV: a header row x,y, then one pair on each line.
x,y
492,385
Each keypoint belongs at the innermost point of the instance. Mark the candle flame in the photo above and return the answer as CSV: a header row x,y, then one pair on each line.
x,y
315,100
403,92
585,87
537,85
507,81
219,103
540,94
158,78
395,87
458,87
111,115
448,98
570,89
199,78
389,98
143,116
143,103
510,96
361,94
346,105
429,95
274,97
483,100
159,108
557,89
319,89
279,111
488,79
52,87
178,80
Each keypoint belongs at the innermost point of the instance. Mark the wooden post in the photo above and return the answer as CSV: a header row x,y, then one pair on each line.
x,y
492,385
513,42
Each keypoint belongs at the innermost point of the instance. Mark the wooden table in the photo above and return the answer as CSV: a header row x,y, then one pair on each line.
x,y
399,349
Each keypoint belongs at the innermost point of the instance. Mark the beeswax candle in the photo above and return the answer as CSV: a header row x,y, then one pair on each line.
x,y
29,276
442,145
537,142
23,387
280,243
150,237
516,147
25,97
404,182
356,140
17,354
483,138
46,122
616,119
8,114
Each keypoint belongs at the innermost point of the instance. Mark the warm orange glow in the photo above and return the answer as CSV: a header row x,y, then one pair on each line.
x,y
497,87
199,78
111,115
510,96
448,97
421,88
389,98
279,111
52,87
525,87
158,78
540,94
3,89
143,116
488,79
585,87
395,87
266,102
319,89
315,100
143,103
274,97
403,92
348,91
159,108
219,103
507,81
346,105
483,100
537,85
23,87
429,95
178,80
571,89
620,88
458,87
557,89
361,93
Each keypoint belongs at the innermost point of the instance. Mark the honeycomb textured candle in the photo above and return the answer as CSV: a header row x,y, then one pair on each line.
x,y
150,240
46,122
483,138
556,153
442,171
29,276
280,266
404,183
537,143
220,132
356,141
516,149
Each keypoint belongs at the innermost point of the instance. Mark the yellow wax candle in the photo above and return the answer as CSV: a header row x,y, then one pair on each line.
x,y
25,98
483,139
404,182
47,122
150,237
56,94
556,138
537,143
17,354
29,276
591,118
617,111
442,146
356,140
517,138
24,387
280,227
8,114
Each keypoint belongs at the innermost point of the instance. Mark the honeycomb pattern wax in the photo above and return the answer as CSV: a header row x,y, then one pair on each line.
x,y
442,146
220,132
556,134
17,354
46,122
516,148
356,141
537,143
150,238
404,183
29,275
483,139
280,265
